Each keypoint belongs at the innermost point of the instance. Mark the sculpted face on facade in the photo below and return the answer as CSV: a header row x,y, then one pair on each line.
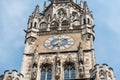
x,y
59,44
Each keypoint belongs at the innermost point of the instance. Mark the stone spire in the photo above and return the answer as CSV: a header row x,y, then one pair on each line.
x,y
81,4
44,5
36,11
85,7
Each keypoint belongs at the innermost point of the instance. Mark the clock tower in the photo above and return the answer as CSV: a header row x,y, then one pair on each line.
x,y
59,43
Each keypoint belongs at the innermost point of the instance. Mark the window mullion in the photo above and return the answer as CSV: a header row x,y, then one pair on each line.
x,y
69,72
46,74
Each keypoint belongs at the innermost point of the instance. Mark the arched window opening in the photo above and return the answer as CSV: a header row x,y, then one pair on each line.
x,y
74,13
88,21
54,25
43,25
69,71
46,72
65,23
17,79
102,75
31,25
109,76
34,65
35,25
61,13
76,23
84,21
9,78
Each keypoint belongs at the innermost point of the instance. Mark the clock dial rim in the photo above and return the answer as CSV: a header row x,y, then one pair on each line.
x,y
69,42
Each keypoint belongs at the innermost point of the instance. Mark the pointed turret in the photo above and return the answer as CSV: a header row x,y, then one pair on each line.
x,y
36,11
34,18
85,7
44,5
81,4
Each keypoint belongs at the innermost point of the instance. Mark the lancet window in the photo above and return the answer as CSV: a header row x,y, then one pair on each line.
x,y
69,71
43,25
46,72
102,75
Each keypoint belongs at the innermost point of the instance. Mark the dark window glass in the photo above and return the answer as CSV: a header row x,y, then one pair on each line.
x,y
46,73
43,25
84,21
42,75
73,73
35,25
31,25
65,23
69,71
66,74
49,74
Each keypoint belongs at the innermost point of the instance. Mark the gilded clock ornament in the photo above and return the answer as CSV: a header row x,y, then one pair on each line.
x,y
59,42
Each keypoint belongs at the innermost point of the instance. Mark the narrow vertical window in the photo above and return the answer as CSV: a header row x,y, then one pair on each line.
x,y
65,23
102,75
73,73
66,74
46,72
31,25
84,21
49,75
43,25
35,25
42,75
88,21
69,71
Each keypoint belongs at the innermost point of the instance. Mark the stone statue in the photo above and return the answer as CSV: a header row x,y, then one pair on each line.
x,y
34,73
81,70
57,67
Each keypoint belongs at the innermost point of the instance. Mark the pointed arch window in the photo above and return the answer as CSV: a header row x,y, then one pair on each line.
x,y
46,72
88,21
102,75
65,23
9,78
17,79
84,21
35,25
69,71
54,25
109,76
31,25
61,13
43,25
76,23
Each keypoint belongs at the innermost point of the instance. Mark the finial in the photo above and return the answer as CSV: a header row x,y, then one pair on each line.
x,y
81,3
44,6
36,9
86,7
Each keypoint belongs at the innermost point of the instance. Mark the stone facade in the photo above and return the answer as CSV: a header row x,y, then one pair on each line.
x,y
11,75
61,37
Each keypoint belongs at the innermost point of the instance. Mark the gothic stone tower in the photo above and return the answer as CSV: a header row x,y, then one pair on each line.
x,y
59,43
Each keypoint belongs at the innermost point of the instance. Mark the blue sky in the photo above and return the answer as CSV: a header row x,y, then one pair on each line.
x,y
14,15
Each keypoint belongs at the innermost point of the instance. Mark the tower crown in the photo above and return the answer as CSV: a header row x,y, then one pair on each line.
x,y
60,42
59,1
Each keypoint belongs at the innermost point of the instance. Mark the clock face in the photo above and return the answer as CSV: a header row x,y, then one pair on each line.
x,y
59,42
